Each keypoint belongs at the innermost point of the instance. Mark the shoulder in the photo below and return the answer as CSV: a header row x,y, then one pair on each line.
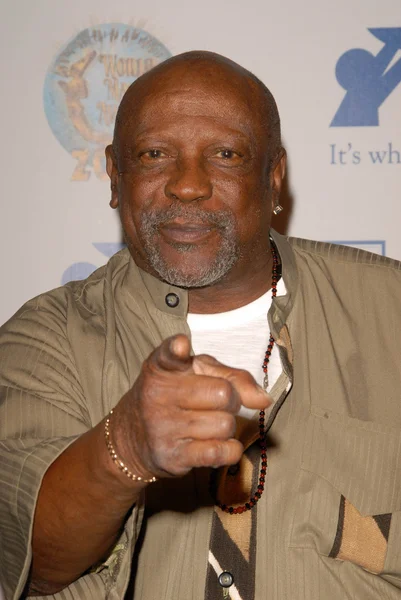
x,y
336,254
84,299
361,282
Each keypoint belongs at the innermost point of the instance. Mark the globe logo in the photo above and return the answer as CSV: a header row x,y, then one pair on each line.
x,y
85,83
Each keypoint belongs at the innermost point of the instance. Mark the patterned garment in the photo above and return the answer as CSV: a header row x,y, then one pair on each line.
x,y
233,536
361,540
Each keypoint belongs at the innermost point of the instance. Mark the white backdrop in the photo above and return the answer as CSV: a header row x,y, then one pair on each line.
x,y
57,106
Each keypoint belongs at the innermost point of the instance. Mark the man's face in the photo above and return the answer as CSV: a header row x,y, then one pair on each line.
x,y
193,183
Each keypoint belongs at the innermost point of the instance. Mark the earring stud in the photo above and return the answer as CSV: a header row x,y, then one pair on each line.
x,y
277,210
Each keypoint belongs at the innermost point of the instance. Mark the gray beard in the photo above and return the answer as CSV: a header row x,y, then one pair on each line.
x,y
223,262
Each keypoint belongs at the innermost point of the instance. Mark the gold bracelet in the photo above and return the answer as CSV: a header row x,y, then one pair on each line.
x,y
115,458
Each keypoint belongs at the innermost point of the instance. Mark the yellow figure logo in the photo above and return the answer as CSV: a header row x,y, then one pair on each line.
x,y
85,84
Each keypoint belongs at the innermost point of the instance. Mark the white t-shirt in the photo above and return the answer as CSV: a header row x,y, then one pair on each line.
x,y
239,338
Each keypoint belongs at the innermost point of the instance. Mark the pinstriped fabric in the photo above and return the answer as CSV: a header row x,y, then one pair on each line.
x,y
346,253
88,587
68,357
337,252
17,493
369,456
53,354
26,390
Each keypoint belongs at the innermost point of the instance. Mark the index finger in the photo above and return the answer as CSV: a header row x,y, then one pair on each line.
x,y
173,354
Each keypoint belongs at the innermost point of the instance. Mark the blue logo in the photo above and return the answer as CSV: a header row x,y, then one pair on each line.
x,y
84,86
367,80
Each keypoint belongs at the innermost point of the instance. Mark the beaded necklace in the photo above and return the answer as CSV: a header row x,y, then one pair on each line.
x,y
262,437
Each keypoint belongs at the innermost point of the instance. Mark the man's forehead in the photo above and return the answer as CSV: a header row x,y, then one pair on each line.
x,y
195,101
200,79
199,83
172,98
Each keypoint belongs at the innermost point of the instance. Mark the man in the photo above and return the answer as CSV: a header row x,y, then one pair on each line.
x,y
101,394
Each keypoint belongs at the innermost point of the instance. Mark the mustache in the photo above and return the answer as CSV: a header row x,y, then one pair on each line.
x,y
222,219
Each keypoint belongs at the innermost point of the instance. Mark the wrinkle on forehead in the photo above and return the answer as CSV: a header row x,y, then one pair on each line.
x,y
178,104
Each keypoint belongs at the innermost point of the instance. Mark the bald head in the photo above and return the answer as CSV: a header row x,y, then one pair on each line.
x,y
208,72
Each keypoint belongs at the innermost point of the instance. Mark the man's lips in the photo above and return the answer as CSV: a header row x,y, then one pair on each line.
x,y
186,232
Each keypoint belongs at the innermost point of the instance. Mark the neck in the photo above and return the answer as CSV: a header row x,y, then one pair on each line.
x,y
232,292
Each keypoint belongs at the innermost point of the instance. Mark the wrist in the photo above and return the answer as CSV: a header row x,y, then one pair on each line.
x,y
138,476
104,475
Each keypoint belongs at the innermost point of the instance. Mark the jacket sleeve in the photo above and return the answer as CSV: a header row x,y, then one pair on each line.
x,y
42,411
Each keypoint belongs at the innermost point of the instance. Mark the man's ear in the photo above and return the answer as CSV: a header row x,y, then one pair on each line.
x,y
112,172
277,173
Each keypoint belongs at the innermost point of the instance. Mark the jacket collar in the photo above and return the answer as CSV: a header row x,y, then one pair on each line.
x,y
167,298
282,305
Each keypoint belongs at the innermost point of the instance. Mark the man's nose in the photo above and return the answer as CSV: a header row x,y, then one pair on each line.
x,y
188,182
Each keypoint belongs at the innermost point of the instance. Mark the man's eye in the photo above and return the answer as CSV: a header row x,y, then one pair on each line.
x,y
153,153
230,156
225,153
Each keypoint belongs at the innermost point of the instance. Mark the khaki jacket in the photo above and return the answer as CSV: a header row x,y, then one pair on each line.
x,y
329,521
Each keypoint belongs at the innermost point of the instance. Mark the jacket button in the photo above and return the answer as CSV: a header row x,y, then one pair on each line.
x,y
226,579
172,300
